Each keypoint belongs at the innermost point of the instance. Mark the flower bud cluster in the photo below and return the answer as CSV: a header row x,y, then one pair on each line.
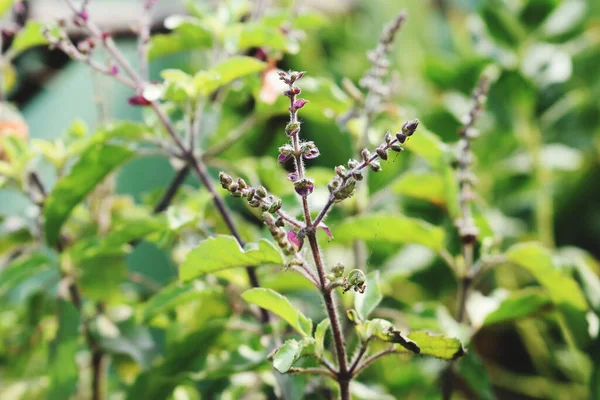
x,y
466,178
344,183
275,226
256,197
356,280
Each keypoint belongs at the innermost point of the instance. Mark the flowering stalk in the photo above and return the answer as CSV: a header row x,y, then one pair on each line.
x,y
340,188
468,232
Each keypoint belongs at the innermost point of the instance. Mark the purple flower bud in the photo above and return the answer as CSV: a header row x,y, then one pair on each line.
x,y
292,129
84,15
283,158
410,127
304,187
114,70
293,238
298,104
138,100
292,176
295,90
401,137
313,153
300,74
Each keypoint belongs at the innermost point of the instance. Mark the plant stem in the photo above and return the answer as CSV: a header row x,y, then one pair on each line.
x,y
372,358
169,194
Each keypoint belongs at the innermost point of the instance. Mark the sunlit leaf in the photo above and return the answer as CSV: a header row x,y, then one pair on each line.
x,y
437,346
427,186
391,228
173,295
280,306
519,304
222,252
226,72
28,37
292,351
320,333
93,166
187,36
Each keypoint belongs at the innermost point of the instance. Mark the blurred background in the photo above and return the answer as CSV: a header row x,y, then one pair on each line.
x,y
538,156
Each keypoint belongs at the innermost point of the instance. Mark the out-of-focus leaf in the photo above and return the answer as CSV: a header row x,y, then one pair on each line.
x,y
472,369
172,296
280,306
502,25
132,340
546,64
93,166
185,392
244,36
586,271
536,11
568,15
101,276
20,270
182,357
10,240
427,145
123,131
226,72
63,369
561,288
391,228
5,5
427,186
320,333
223,252
189,35
367,302
9,76
292,351
28,37
519,304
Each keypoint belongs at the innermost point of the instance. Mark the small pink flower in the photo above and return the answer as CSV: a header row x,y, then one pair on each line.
x,y
293,238
299,103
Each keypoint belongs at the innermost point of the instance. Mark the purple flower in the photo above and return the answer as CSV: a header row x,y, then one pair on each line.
x,y
84,15
114,70
293,238
292,176
299,103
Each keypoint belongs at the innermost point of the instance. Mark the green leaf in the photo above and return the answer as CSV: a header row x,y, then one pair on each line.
x,y
502,25
561,288
391,228
519,304
5,5
128,339
223,252
172,296
437,346
14,239
226,72
586,271
367,302
286,356
244,36
291,351
472,369
320,333
427,186
279,305
189,35
101,277
28,37
21,269
182,357
384,330
121,131
63,369
428,145
93,166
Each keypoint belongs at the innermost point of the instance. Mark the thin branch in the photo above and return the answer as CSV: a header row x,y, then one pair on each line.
x,y
169,194
312,371
372,358
242,129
